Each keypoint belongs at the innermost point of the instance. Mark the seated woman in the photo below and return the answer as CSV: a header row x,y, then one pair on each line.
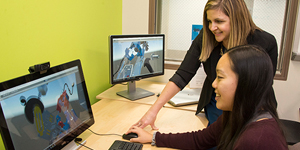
x,y
243,88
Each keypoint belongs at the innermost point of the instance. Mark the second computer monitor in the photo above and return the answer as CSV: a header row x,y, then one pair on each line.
x,y
134,57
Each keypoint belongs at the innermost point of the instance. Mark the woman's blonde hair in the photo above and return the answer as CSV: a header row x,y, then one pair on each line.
x,y
241,25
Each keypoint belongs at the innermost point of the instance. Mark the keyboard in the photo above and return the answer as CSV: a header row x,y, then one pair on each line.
x,y
123,145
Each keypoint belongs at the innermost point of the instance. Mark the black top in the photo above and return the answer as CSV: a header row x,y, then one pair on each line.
x,y
191,63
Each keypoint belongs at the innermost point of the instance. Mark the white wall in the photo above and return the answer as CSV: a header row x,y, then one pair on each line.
x,y
135,16
288,92
135,21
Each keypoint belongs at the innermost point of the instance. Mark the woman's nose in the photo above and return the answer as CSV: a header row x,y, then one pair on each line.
x,y
213,26
214,84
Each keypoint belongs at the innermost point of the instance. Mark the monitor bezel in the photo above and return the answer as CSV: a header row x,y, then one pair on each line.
x,y
136,78
7,140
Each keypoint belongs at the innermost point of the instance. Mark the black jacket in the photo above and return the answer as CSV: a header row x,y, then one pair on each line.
x,y
191,63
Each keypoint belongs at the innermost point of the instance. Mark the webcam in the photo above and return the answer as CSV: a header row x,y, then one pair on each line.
x,y
42,68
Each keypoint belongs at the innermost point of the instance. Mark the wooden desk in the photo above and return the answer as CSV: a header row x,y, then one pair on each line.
x,y
117,117
154,87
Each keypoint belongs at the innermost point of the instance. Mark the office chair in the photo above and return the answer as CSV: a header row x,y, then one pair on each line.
x,y
291,131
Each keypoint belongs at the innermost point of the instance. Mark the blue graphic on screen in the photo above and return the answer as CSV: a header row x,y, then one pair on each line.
x,y
46,112
196,30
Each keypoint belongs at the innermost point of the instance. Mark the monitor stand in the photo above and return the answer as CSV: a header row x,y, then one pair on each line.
x,y
133,93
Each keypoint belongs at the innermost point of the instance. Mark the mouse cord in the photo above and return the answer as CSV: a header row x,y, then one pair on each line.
x,y
77,140
80,139
103,134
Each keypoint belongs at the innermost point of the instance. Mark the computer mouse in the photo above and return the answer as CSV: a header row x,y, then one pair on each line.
x,y
129,136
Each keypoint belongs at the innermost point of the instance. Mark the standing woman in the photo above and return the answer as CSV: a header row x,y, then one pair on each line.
x,y
226,24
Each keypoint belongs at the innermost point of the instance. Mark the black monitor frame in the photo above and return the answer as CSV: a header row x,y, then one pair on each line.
x,y
133,93
23,80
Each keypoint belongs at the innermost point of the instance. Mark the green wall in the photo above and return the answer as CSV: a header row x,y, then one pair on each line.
x,y
59,31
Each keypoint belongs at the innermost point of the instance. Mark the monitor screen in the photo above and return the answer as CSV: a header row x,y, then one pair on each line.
x,y
45,111
134,57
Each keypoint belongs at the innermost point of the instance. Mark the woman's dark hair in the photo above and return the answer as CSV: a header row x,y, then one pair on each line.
x,y
253,95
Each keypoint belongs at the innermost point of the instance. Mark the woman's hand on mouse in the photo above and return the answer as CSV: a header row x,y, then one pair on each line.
x,y
143,136
148,119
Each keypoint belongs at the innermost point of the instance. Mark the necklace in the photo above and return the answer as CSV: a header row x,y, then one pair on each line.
x,y
221,51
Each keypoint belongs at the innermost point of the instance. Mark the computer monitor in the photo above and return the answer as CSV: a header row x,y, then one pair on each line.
x,y
134,57
45,111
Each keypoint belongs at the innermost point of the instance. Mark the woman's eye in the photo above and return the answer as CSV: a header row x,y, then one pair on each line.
x,y
219,77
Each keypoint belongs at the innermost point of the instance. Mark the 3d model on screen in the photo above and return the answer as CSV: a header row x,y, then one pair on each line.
x,y
127,67
50,125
